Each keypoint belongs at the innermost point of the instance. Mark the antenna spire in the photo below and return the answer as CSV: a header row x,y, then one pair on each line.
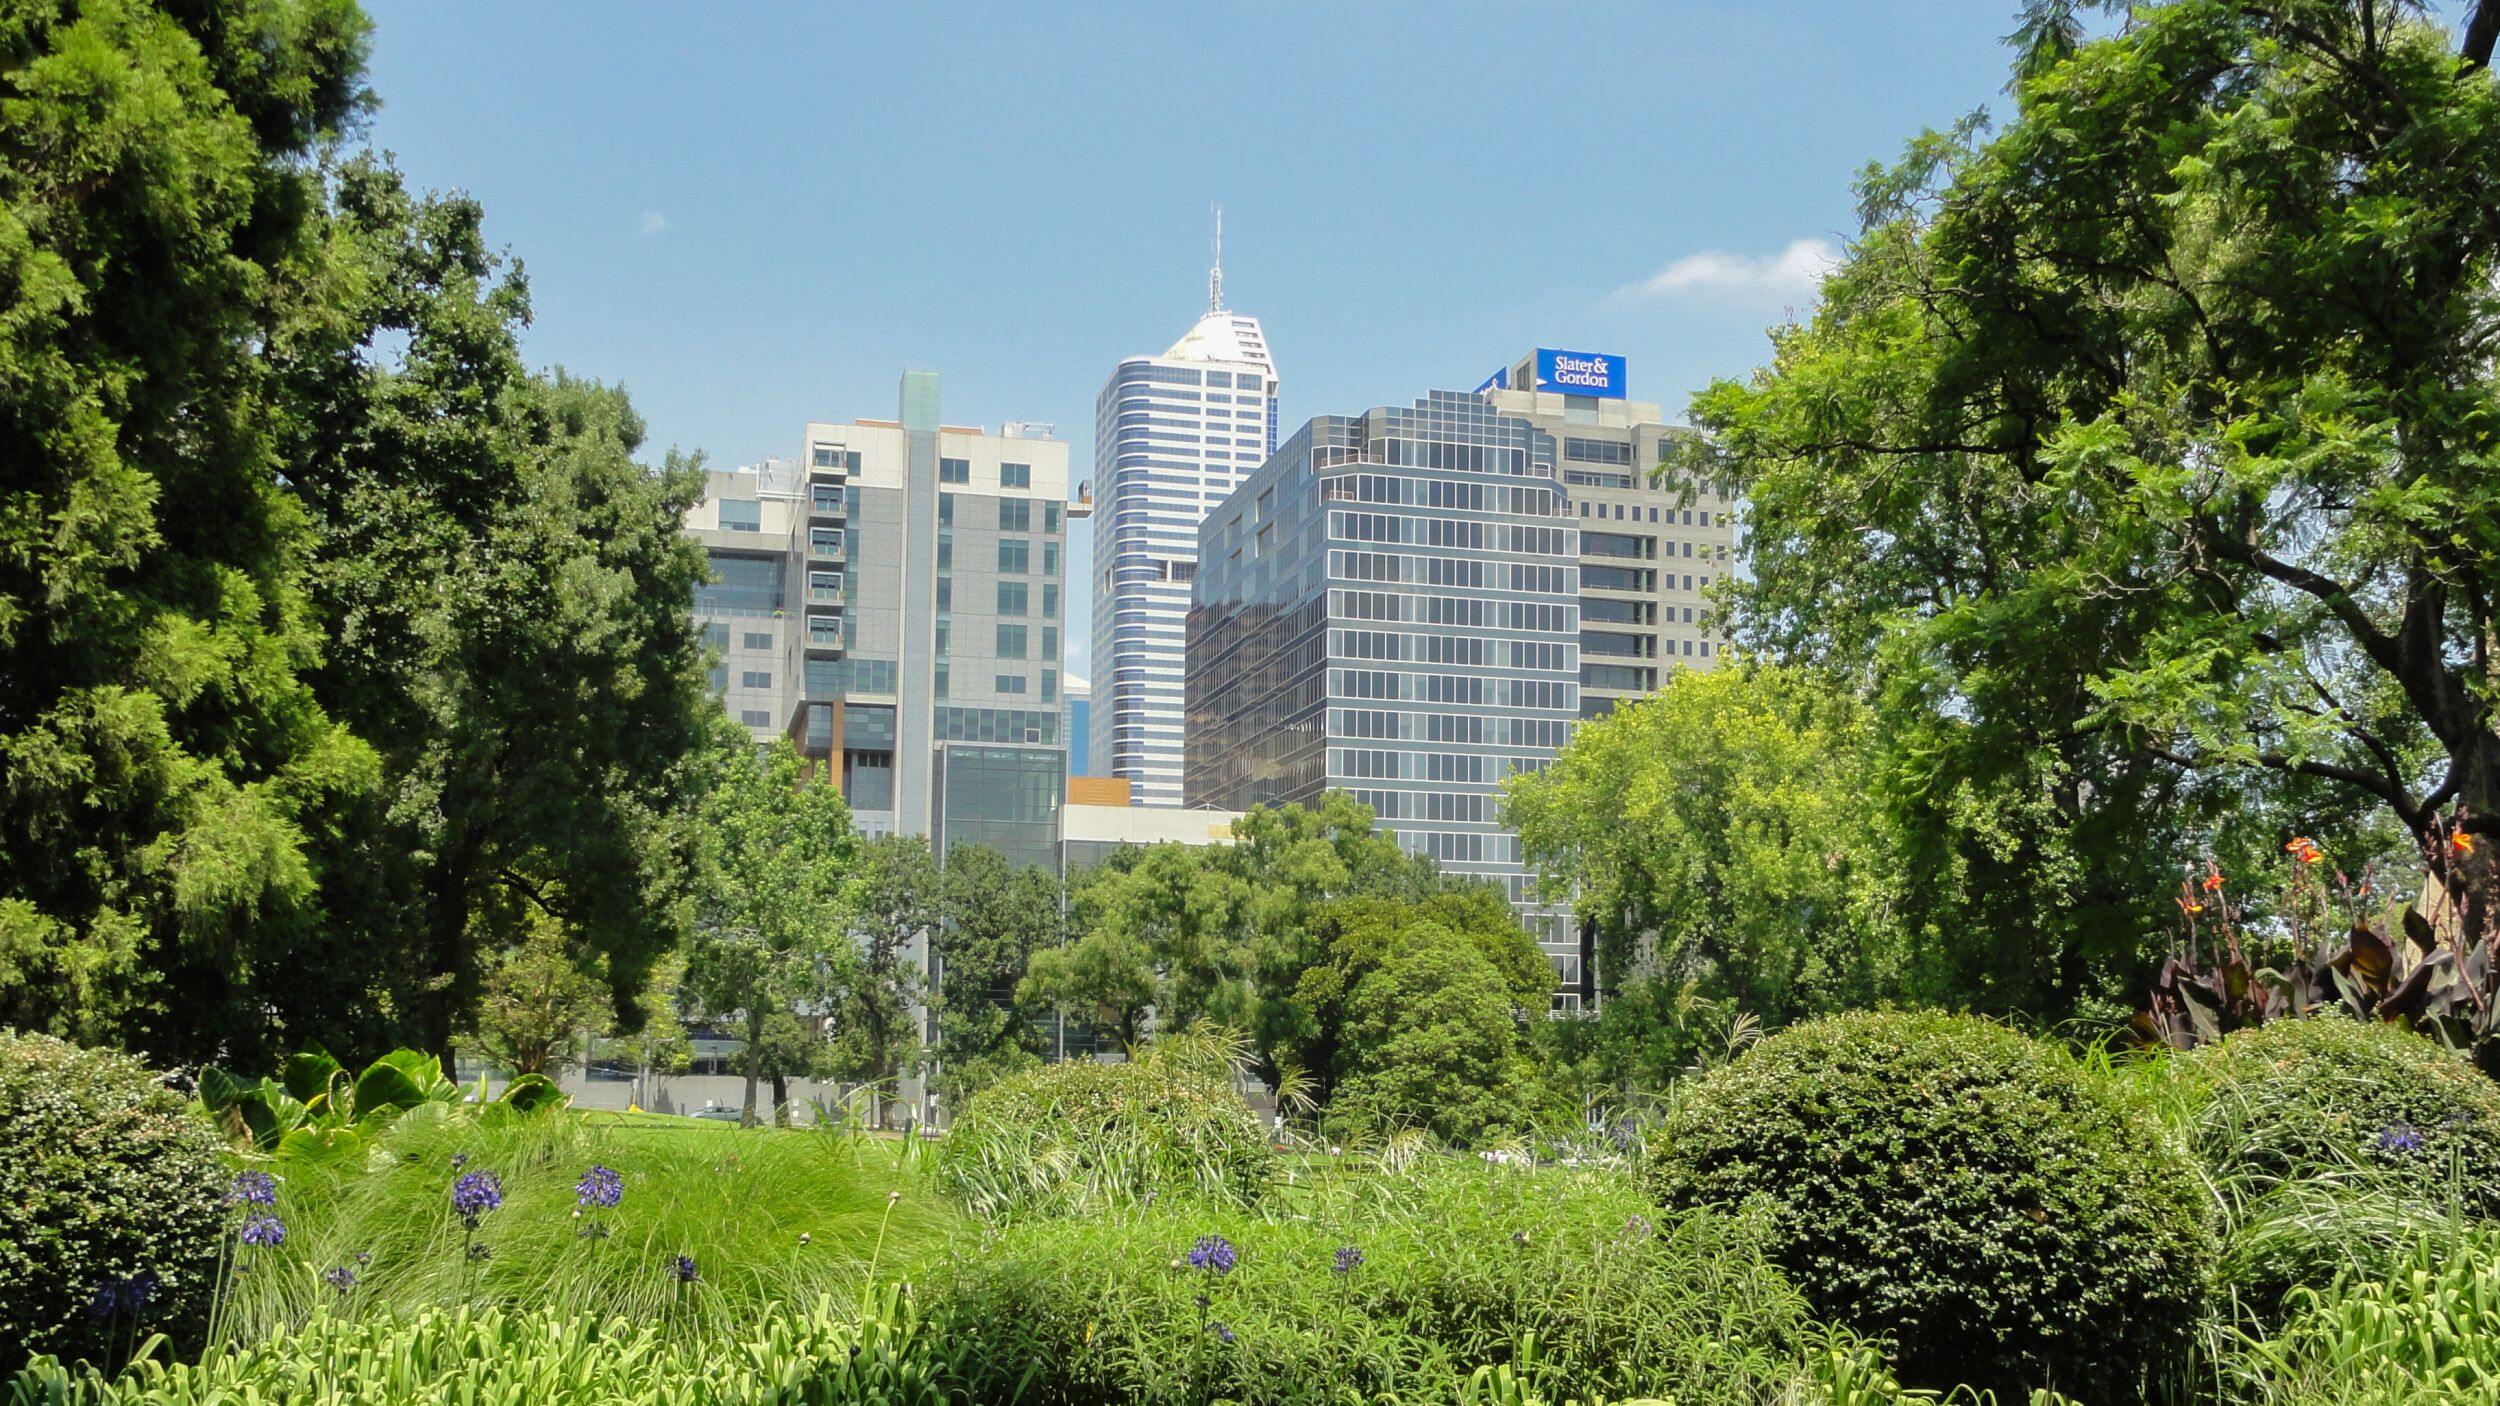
x,y
1215,274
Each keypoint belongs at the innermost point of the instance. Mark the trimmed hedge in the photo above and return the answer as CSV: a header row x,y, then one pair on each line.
x,y
1083,1136
2296,1098
1966,1192
109,1203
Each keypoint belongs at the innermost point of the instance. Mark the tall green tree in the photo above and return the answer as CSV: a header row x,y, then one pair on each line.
x,y
2143,457
781,880
507,591
996,917
165,764
900,903
1422,1013
540,1005
1718,833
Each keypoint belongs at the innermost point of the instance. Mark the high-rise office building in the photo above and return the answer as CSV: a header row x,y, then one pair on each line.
x,y
1648,551
1173,434
1390,607
893,602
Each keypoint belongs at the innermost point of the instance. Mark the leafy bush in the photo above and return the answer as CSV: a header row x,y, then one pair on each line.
x,y
459,1357
2427,1331
766,1217
1083,1136
2299,1098
1967,1192
1389,1287
314,1111
109,1214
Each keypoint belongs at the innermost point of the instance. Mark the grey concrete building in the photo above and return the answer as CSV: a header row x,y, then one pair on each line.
x,y
894,601
1648,553
1390,606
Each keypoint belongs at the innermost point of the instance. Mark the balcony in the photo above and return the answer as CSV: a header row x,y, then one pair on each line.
x,y
827,505
823,639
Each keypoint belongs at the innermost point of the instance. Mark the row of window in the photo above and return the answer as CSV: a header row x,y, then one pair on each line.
x,y
1474,690
1495,730
1455,533
1407,491
1475,612
1517,578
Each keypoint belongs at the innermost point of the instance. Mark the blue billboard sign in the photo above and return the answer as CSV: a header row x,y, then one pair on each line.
x,y
1579,373
1498,381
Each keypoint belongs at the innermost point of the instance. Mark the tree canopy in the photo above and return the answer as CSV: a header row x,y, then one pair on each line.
x,y
2140,461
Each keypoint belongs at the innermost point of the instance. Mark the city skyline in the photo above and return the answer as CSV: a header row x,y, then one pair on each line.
x,y
748,233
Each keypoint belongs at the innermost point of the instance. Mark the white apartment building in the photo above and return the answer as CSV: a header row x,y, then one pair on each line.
x,y
1173,434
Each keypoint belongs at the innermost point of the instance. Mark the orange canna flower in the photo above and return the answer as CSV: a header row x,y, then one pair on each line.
x,y
2304,849
2213,881
2189,905
2461,842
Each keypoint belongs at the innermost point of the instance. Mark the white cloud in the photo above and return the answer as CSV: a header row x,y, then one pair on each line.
x,y
1795,271
653,222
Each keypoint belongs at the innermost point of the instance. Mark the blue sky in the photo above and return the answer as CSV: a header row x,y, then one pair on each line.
x,y
755,215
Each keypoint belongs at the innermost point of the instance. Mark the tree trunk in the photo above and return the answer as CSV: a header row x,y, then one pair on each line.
x,y
781,1099
2481,28
754,1060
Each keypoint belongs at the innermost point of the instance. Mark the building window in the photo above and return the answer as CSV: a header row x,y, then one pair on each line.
x,y
1050,558
716,637
1008,683
1015,555
1011,642
755,717
946,593
1015,475
946,510
1050,641
751,678
756,641
937,680
1012,598
1050,601
741,515
945,629
827,457
1050,685
1050,517
1597,451
1015,514
954,471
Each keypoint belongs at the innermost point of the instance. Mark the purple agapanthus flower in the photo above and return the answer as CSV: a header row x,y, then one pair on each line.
x,y
264,1232
2400,1138
475,1194
684,1270
599,1189
1348,1259
459,1160
1212,1252
252,1189
1222,1333
125,1296
341,1278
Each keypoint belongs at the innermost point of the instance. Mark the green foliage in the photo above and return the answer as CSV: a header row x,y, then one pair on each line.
x,y
1972,1195
780,876
538,1005
166,756
997,917
315,1112
1417,1014
1083,1137
332,641
2141,456
2426,1331
771,1218
1720,835
883,1356
1225,932
899,901
2302,1098
105,1179
1457,1266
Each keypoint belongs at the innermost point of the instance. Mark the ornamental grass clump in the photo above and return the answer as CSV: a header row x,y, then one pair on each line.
x,y
1080,1137
2329,1096
1372,1289
110,1204
1978,1198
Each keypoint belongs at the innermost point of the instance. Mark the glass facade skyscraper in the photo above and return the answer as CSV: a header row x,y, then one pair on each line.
x,y
1390,607
1173,434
